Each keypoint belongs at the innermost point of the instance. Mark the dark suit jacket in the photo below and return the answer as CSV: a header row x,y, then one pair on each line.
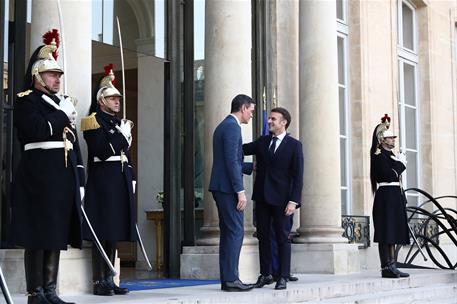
x,y
279,179
228,167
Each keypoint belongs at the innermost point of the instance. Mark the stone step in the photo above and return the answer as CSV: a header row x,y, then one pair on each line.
x,y
366,286
438,293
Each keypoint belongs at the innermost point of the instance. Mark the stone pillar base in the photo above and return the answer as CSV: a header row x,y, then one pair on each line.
x,y
75,274
325,258
202,262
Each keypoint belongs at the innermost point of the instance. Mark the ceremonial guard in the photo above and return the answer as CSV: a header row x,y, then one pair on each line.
x,y
109,203
47,190
389,208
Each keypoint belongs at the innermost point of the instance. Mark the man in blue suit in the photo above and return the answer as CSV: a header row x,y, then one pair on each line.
x,y
277,192
226,185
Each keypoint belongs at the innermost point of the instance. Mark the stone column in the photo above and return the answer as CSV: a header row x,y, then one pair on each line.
x,y
287,66
227,73
320,218
78,73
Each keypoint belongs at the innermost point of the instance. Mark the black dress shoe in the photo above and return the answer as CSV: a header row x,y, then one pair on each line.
x,y
389,272
102,288
263,280
292,278
117,290
281,284
236,286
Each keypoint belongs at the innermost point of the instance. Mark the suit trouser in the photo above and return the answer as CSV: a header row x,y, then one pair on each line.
x,y
266,217
274,249
231,235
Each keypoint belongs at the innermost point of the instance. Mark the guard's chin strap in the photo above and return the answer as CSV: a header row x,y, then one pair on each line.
x,y
43,84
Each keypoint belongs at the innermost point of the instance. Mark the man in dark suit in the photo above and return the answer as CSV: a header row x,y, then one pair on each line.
x,y
277,192
226,186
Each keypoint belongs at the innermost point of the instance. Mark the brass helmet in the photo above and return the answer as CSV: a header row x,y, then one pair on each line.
x,y
47,56
107,88
383,130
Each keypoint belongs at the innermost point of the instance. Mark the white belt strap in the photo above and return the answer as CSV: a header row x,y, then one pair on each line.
x,y
49,145
122,158
388,184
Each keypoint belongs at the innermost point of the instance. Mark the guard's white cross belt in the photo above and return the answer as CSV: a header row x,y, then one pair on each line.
x,y
49,145
122,158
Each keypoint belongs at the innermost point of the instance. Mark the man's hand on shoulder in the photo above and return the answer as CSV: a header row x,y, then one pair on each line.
x,y
242,201
290,208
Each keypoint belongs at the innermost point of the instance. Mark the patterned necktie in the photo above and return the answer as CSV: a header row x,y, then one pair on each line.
x,y
271,150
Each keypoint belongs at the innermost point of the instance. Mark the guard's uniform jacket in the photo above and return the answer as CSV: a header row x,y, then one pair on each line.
x,y
389,210
46,202
109,203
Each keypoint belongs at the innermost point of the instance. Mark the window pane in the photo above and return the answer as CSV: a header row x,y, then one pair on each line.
x,y
97,22
409,84
411,169
339,9
410,128
412,200
142,25
407,27
344,202
343,144
341,78
342,101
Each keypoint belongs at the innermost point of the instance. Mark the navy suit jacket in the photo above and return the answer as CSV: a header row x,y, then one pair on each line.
x,y
279,179
228,166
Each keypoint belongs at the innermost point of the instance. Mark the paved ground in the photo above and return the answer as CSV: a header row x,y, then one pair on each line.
x,y
309,289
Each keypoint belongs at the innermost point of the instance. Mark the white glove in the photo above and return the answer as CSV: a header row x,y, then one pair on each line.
x,y
402,158
67,106
82,192
126,130
134,186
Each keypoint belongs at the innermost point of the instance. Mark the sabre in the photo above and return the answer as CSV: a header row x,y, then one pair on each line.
x,y
143,250
123,68
96,241
6,292
64,62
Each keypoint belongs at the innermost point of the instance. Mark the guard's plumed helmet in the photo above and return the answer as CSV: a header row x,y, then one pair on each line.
x,y
47,56
107,88
383,130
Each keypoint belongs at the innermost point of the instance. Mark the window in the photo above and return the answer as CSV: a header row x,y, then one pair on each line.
x,y
342,47
408,98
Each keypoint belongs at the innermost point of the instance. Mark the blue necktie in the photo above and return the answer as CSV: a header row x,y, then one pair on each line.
x,y
271,150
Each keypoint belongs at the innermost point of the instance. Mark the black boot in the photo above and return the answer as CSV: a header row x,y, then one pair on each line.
x,y
387,267
101,287
111,252
394,259
33,264
50,270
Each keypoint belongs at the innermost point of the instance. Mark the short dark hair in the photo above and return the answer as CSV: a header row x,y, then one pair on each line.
x,y
285,114
239,101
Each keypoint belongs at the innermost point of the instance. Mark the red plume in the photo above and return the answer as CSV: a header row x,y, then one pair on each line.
x,y
49,36
108,68
384,118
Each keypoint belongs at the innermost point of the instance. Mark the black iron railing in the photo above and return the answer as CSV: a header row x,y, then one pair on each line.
x,y
356,229
428,222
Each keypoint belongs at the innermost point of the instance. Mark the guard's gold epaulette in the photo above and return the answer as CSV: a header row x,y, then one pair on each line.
x,y
89,123
25,93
